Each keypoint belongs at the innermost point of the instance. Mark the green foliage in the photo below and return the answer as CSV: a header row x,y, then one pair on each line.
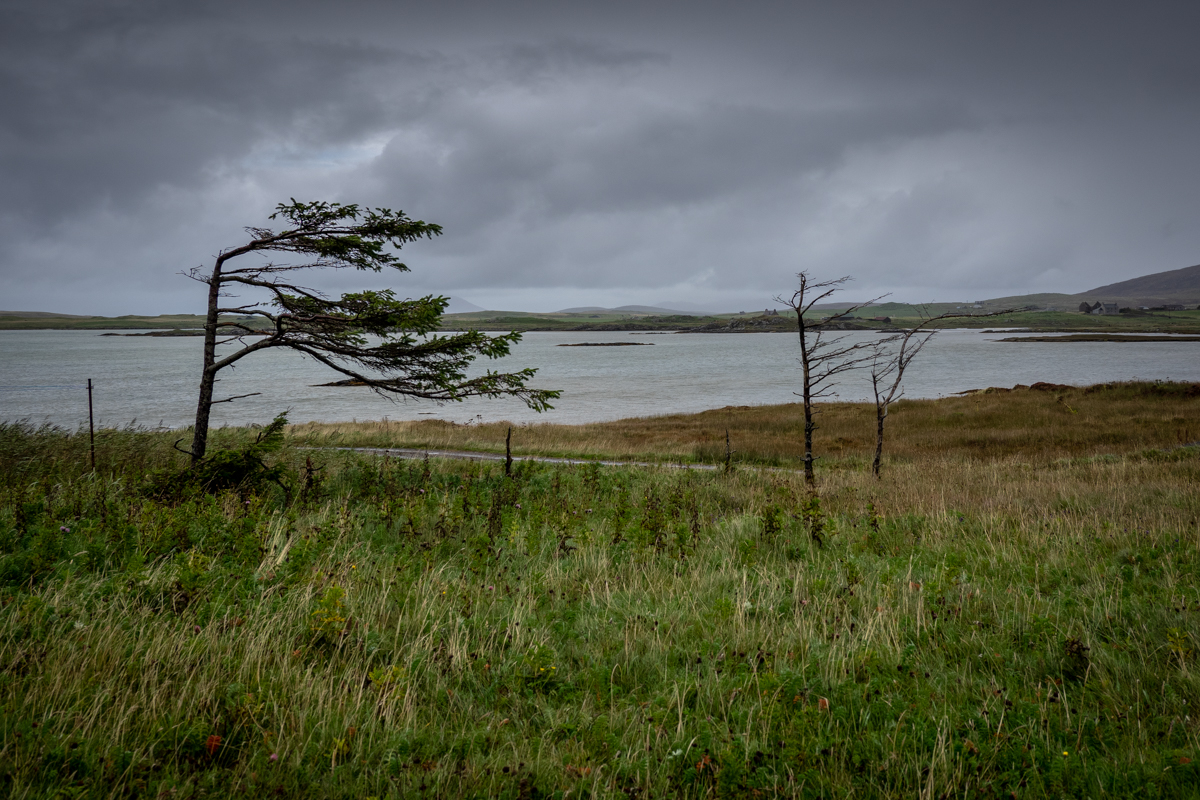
x,y
813,518
244,468
330,616
774,520
538,669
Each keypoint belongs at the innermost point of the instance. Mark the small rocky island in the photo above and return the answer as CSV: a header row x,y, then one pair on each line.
x,y
1102,337
608,344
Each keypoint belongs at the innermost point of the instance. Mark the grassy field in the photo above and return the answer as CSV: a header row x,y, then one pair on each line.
x,y
1013,610
1035,425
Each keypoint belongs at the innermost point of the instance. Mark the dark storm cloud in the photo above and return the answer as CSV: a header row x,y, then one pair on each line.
x,y
104,107
624,152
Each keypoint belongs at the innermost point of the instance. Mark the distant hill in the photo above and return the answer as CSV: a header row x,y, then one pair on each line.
x,y
650,311
1175,286
678,306
39,314
457,305
656,311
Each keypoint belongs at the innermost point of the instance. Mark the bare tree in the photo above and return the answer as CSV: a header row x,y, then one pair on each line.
x,y
891,357
382,342
822,359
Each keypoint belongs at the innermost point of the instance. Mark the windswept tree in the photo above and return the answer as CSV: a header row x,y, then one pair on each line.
x,y
891,357
822,358
371,337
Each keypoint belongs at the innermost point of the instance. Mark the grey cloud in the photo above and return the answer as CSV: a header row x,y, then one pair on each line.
x,y
618,149
530,63
103,110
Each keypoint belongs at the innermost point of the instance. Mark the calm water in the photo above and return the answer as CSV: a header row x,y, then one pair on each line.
x,y
153,381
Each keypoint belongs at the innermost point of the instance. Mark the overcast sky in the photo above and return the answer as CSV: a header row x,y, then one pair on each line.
x,y
603,153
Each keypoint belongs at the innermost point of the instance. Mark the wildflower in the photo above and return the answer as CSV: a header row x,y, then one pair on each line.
x,y
64,529
516,505
274,756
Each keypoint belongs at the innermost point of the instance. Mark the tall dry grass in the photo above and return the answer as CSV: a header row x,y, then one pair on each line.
x,y
1037,425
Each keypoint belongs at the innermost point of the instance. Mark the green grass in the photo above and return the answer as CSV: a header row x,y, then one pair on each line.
x,y
969,626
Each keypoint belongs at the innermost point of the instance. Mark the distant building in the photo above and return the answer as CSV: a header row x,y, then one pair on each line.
x,y
1085,307
1106,309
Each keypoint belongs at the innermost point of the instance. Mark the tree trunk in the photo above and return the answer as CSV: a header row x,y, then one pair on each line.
x,y
880,416
809,475
208,377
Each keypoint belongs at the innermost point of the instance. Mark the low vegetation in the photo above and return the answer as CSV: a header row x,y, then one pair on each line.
x,y
1014,609
1035,425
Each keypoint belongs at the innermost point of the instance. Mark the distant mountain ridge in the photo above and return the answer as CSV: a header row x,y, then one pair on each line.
x,y
36,314
1173,287
1178,285
458,305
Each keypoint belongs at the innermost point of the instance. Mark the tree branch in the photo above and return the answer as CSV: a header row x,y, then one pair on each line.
x,y
235,397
